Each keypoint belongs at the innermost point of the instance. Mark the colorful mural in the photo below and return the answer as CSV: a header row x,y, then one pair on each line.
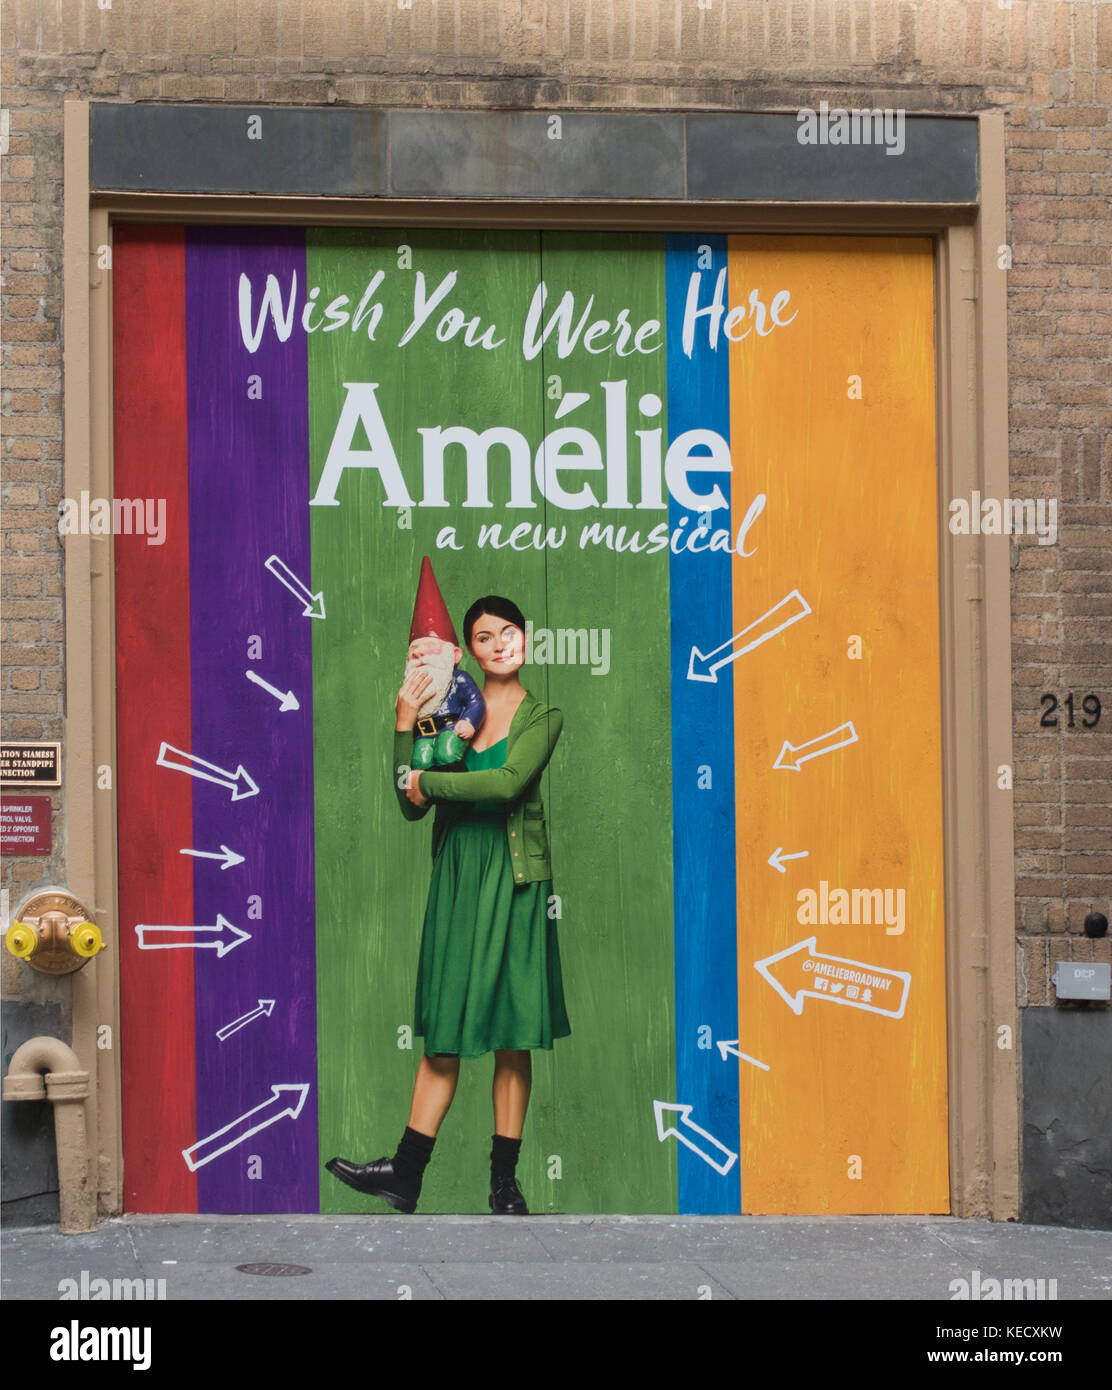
x,y
704,468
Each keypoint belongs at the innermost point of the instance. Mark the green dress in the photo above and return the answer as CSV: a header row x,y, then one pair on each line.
x,y
489,974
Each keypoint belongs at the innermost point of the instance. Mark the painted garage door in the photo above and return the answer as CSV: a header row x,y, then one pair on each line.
x,y
704,467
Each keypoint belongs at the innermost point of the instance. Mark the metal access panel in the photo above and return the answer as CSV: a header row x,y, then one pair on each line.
x,y
1082,980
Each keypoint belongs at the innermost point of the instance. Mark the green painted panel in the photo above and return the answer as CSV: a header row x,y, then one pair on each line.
x,y
592,1096
611,807
373,866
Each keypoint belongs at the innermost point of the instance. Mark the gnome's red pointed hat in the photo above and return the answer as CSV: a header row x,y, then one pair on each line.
x,y
430,612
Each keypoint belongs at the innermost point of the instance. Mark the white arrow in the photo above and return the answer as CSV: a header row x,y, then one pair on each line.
x,y
229,856
729,1049
840,737
778,858
193,765
684,1113
243,1126
800,975
191,938
287,697
314,603
265,1007
789,610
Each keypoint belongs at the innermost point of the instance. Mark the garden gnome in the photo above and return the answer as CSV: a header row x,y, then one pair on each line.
x,y
456,708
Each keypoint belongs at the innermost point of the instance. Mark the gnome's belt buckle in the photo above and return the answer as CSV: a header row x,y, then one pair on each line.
x,y
431,725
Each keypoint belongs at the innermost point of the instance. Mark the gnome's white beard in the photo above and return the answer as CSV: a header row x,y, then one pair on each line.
x,y
440,667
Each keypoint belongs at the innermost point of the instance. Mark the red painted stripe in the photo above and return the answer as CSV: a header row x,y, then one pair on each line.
x,y
153,704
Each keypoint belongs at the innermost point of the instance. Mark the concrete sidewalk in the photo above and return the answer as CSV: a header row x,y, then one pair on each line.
x,y
556,1257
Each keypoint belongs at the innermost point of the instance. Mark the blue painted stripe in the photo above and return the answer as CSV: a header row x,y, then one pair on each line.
x,y
702,747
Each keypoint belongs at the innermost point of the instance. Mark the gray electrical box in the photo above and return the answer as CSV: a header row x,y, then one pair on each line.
x,y
1078,980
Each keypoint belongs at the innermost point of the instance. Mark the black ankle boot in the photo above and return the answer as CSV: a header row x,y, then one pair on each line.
x,y
506,1198
379,1179
505,1195
396,1180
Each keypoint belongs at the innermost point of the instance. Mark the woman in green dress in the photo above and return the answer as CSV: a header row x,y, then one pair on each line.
x,y
489,978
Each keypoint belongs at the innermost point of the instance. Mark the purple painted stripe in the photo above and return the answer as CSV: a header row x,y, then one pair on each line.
x,y
248,501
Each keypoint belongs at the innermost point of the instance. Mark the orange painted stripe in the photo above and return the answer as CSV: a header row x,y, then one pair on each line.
x,y
851,521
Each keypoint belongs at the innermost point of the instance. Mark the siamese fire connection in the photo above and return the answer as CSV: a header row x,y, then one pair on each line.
x,y
51,931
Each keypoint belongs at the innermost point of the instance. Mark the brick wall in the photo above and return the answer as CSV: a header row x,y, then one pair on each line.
x,y
1047,65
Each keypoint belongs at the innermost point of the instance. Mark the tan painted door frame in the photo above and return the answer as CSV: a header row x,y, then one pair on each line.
x,y
974,599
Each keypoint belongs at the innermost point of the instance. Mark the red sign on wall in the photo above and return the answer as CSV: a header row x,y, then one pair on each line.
x,y
25,825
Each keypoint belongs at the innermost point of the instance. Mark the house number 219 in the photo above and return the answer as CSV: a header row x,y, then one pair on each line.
x,y
1090,705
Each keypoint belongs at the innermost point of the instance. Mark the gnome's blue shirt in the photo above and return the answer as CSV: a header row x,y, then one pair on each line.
x,y
464,700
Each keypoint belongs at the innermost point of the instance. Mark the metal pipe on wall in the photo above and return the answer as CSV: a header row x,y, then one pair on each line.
x,y
46,1069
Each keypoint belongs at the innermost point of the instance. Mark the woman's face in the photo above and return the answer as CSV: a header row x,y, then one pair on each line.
x,y
497,645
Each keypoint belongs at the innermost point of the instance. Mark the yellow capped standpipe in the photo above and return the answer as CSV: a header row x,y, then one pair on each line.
x,y
21,940
53,933
87,940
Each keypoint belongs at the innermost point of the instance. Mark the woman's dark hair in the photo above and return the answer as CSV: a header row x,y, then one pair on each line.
x,y
500,607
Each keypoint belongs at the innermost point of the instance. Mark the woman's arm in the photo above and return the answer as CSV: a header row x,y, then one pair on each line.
x,y
415,689
527,757
403,751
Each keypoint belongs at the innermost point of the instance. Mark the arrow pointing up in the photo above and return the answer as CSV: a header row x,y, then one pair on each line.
x,y
266,1006
285,1100
663,1108
729,1049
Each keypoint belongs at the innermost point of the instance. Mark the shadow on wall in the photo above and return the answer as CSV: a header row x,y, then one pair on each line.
x,y
29,1173
1066,1173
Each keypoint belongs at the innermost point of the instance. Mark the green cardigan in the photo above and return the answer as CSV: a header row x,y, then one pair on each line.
x,y
534,730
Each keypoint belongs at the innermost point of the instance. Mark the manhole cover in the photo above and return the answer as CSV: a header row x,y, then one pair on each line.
x,y
280,1271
